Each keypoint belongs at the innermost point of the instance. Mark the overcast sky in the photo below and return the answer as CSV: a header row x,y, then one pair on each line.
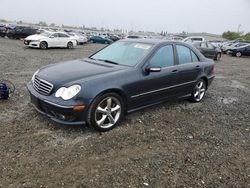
x,y
214,16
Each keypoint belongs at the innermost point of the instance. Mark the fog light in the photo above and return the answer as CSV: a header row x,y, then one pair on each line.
x,y
62,117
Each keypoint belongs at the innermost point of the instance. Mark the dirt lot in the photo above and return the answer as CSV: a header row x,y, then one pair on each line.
x,y
178,144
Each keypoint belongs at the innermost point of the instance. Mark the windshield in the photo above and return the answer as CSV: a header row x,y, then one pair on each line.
x,y
45,34
123,53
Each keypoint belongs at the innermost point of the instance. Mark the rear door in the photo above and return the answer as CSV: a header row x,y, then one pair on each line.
x,y
247,50
211,50
63,39
189,68
204,49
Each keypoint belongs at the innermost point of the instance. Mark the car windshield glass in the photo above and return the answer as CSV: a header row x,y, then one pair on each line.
x,y
45,34
123,53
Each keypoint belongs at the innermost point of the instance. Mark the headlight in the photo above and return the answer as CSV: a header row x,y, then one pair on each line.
x,y
34,75
68,93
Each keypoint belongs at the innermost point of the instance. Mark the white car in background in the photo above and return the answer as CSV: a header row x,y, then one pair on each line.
x,y
194,39
50,39
80,39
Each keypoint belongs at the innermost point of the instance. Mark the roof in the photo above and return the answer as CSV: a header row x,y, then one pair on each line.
x,y
149,41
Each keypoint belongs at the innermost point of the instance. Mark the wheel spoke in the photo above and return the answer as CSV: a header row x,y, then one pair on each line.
x,y
196,94
109,103
200,85
116,108
202,90
101,110
199,95
101,121
111,119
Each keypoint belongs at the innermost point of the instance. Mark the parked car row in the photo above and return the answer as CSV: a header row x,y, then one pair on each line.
x,y
214,49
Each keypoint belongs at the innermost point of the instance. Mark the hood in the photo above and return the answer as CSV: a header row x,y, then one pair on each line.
x,y
35,37
73,71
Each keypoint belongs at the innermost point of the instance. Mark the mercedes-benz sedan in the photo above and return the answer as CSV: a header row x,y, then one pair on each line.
x,y
125,76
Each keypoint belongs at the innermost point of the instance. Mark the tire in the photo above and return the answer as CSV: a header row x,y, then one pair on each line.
x,y
199,91
238,54
105,112
218,56
44,45
70,45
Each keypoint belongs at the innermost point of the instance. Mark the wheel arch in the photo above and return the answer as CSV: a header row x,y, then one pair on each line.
x,y
118,91
45,42
206,80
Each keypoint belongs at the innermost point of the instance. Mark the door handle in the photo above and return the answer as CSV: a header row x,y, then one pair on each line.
x,y
174,71
197,66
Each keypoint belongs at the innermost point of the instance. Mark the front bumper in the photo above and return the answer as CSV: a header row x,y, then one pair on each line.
x,y
61,113
34,44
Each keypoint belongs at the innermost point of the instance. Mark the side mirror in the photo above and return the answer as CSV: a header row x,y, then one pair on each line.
x,y
151,68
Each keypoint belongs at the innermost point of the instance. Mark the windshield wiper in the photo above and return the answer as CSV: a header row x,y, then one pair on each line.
x,y
108,61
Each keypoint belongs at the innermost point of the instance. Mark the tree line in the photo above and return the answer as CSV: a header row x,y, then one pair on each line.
x,y
230,35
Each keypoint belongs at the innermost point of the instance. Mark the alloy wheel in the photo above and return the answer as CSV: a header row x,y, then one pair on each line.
x,y
43,45
108,112
199,90
70,45
238,54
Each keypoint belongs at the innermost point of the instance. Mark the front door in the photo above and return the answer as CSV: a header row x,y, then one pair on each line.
x,y
156,86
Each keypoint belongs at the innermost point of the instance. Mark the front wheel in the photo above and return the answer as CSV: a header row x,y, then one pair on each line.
x,y
70,45
238,54
105,112
43,45
199,91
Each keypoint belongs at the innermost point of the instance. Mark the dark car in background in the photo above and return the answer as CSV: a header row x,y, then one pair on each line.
x,y
3,30
113,38
125,76
19,32
241,51
98,39
208,50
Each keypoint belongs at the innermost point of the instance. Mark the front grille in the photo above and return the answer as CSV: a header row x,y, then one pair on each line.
x,y
43,87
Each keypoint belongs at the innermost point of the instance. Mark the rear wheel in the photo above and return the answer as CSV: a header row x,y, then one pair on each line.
x,y
106,112
218,56
43,45
70,45
199,91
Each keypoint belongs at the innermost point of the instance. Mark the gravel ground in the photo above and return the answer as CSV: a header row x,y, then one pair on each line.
x,y
178,144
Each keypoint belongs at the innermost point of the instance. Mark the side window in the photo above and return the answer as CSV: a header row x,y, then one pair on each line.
x,y
55,35
164,57
210,46
183,54
62,35
194,57
204,45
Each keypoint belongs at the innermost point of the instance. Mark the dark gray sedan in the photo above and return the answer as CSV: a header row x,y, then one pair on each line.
x,y
121,78
208,50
